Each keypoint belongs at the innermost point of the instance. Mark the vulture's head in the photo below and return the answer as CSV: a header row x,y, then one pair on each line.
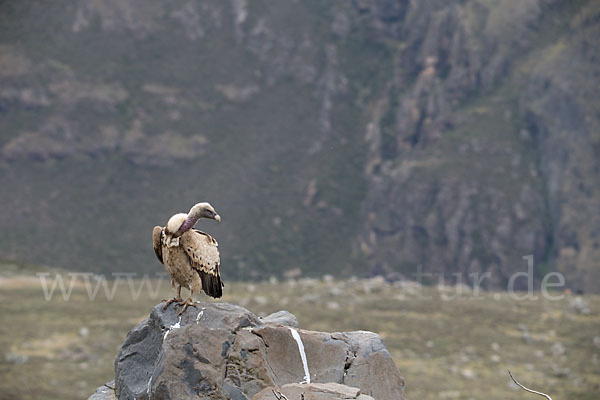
x,y
204,210
180,223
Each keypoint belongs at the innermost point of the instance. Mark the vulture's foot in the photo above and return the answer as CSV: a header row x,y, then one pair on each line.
x,y
187,303
177,300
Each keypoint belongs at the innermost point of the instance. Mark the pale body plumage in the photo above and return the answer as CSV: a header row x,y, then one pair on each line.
x,y
191,258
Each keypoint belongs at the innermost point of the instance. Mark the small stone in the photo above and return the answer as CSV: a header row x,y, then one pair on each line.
x,y
260,300
311,297
293,273
539,354
308,282
282,317
578,305
558,349
336,291
16,358
105,392
84,332
525,334
561,372
449,394
468,373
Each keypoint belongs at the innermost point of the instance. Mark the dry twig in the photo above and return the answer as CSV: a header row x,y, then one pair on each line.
x,y
529,390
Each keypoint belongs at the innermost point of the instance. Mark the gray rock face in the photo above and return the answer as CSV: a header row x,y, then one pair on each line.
x,y
431,194
223,351
105,392
313,391
284,318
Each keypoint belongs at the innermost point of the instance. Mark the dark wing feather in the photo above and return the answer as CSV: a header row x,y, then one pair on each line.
x,y
157,243
203,254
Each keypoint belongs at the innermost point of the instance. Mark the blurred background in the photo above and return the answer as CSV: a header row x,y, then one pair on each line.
x,y
363,138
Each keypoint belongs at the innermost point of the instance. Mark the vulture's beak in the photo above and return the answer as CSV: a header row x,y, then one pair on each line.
x,y
218,218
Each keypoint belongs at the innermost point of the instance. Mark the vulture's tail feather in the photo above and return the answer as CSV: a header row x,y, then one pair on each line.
x,y
211,284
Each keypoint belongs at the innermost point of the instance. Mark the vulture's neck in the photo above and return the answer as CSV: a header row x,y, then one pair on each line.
x,y
188,224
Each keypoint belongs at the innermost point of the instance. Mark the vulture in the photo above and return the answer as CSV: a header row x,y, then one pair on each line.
x,y
191,257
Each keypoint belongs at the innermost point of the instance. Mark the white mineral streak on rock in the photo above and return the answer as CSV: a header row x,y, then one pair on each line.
x,y
177,325
200,314
149,391
298,340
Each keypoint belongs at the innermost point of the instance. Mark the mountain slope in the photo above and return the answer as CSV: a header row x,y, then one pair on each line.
x,y
351,137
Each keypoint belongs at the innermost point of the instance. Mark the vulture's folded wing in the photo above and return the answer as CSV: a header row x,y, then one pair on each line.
x,y
212,239
203,254
156,242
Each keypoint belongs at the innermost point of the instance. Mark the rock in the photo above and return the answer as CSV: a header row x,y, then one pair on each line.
x,y
16,358
525,335
238,94
283,317
105,392
539,354
223,351
558,349
59,138
313,391
578,305
467,373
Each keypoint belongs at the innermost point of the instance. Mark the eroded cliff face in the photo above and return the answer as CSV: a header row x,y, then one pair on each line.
x,y
460,136
478,149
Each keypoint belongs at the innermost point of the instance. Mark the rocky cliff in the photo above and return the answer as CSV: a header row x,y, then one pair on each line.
x,y
456,135
223,351
486,142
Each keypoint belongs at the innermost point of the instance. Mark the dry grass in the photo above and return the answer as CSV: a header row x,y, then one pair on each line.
x,y
454,349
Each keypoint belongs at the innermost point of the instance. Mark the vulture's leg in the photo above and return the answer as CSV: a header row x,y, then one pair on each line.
x,y
187,303
177,299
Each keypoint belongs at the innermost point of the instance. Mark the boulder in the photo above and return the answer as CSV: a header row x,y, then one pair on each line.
x,y
284,318
312,391
223,351
105,392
